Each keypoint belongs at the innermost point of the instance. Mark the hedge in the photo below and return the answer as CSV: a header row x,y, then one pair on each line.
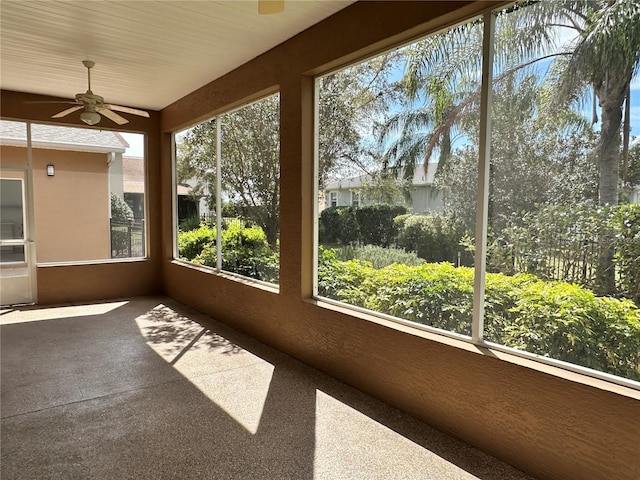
x,y
368,225
244,249
549,318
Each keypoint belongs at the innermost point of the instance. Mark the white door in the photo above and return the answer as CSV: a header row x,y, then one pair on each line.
x,y
17,266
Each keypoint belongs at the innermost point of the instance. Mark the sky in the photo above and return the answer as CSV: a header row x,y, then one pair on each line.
x,y
136,144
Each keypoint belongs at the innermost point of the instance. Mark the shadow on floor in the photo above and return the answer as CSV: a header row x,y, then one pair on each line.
x,y
152,389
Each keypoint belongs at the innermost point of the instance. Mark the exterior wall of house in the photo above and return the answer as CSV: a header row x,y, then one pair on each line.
x,y
545,421
74,227
72,207
426,199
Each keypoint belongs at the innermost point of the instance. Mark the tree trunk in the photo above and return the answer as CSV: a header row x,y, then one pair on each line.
x,y
611,95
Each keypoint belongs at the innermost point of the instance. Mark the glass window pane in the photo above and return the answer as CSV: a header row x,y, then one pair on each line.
x,y
12,254
80,178
563,217
397,169
249,193
250,189
196,194
11,209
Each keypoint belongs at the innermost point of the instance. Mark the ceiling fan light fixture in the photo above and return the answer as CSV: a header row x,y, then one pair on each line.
x,y
90,118
267,7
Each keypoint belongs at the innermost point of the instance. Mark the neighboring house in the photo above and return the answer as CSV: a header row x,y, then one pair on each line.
x,y
133,184
188,205
352,191
133,187
71,207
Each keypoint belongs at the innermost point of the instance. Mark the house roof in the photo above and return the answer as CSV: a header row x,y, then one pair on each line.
x,y
62,138
133,174
421,176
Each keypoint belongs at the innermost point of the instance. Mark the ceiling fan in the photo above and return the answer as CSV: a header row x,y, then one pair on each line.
x,y
94,105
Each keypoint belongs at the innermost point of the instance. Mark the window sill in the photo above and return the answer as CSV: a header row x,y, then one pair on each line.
x,y
267,287
91,262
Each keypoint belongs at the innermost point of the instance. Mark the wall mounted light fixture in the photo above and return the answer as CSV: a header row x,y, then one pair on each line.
x,y
51,170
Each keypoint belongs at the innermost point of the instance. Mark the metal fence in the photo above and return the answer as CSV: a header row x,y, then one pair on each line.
x,y
127,238
570,259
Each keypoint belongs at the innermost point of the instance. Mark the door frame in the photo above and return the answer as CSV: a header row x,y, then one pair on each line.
x,y
29,240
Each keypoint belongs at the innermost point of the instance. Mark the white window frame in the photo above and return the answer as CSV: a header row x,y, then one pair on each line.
x,y
356,201
333,199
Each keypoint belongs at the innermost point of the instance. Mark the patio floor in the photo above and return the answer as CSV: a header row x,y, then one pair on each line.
x,y
146,388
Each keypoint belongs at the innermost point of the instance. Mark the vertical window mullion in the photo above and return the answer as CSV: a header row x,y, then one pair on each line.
x,y
218,194
316,177
174,195
484,160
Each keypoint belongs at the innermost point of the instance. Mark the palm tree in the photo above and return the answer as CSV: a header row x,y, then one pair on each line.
x,y
602,57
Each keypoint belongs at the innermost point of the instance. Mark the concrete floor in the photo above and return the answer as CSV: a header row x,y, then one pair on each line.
x,y
148,389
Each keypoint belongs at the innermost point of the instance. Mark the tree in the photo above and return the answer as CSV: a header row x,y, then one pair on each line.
x,y
352,103
601,57
250,154
534,161
251,163
120,210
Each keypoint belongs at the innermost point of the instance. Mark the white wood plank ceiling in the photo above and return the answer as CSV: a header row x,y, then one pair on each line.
x,y
148,53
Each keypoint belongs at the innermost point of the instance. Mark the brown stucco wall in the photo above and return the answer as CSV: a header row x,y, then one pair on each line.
x,y
548,422
94,281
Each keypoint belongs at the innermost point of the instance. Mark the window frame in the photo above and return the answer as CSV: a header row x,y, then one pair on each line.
x,y
29,168
217,270
477,324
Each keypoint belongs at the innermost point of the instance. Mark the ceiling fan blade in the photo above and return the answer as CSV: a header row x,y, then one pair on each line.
x,y
60,102
132,111
266,7
66,112
113,116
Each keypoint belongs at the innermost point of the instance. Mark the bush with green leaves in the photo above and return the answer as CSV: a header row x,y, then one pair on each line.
x,y
339,225
625,222
550,318
378,256
119,209
564,242
191,223
435,237
376,224
244,249
193,242
121,219
367,225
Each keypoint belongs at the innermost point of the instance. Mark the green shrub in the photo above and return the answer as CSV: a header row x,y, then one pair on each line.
x,y
191,223
119,209
121,216
564,242
191,243
567,322
549,318
376,225
339,225
435,237
369,225
626,225
378,256
244,250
